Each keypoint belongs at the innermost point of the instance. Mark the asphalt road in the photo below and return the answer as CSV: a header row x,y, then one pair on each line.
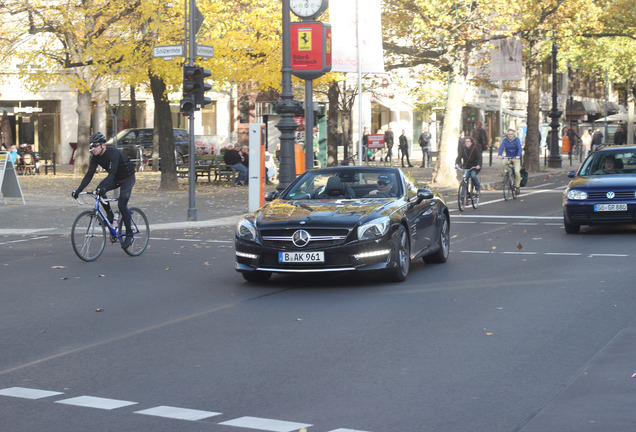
x,y
525,328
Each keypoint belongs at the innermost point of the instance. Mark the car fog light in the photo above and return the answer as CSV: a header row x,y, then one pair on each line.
x,y
372,254
246,255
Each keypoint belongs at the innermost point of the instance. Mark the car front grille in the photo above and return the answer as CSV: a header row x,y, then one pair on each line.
x,y
620,195
585,218
318,238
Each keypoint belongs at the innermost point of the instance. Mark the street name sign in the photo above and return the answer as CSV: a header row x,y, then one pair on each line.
x,y
168,51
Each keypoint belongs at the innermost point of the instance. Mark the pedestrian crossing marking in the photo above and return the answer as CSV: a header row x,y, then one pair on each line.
x,y
96,402
265,424
178,413
27,393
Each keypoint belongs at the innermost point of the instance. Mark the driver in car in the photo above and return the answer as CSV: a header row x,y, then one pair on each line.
x,y
384,190
609,167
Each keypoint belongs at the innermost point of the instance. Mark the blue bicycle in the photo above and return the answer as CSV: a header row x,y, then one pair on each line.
x,y
88,234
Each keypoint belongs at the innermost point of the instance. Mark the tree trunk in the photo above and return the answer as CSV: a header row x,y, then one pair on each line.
x,y
163,136
531,150
133,108
82,155
332,125
444,173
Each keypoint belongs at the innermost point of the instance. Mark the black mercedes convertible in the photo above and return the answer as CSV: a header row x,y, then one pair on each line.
x,y
344,219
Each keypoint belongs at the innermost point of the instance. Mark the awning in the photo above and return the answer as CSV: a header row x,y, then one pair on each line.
x,y
494,108
393,104
621,117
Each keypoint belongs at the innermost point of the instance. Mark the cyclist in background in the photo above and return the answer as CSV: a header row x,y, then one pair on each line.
x,y
121,174
470,157
512,146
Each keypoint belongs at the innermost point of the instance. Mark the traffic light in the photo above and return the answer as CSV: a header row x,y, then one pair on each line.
x,y
199,92
190,84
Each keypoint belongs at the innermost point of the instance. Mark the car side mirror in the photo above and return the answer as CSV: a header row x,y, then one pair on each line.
x,y
271,196
423,194
571,174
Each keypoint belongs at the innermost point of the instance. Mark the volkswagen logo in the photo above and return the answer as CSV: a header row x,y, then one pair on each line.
x,y
301,238
610,195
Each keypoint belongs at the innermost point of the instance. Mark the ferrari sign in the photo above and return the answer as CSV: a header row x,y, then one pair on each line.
x,y
310,49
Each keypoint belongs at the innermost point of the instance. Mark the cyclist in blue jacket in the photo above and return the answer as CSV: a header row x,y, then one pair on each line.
x,y
512,145
121,174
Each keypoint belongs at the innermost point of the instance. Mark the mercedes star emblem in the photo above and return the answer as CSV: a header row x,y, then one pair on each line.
x,y
301,238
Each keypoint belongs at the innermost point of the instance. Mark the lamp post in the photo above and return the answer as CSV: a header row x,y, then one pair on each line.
x,y
286,108
554,161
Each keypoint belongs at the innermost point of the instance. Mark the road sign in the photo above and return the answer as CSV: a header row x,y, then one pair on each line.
x,y
168,51
205,51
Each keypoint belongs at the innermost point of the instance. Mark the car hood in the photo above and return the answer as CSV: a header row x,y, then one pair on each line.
x,y
604,182
344,213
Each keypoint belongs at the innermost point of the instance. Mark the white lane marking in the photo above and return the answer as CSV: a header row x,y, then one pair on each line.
x,y
191,240
564,253
178,413
28,393
464,222
25,231
346,430
601,255
265,424
23,240
526,223
476,216
96,402
495,223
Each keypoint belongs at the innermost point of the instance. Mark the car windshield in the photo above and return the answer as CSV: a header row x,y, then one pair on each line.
x,y
606,163
349,184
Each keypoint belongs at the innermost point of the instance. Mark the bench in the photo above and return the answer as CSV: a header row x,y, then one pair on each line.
x,y
206,165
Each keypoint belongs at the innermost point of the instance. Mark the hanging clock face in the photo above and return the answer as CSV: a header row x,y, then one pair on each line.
x,y
308,8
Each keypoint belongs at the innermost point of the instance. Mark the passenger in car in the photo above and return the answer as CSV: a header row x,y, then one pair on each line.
x,y
610,166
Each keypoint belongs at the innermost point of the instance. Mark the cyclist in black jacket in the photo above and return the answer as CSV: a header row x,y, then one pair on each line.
x,y
121,174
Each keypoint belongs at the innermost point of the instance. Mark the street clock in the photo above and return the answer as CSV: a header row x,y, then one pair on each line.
x,y
308,9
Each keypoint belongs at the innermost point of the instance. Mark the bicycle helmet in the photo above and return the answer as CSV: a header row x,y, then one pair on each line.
x,y
97,138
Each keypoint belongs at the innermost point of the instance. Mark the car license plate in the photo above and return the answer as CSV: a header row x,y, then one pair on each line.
x,y
301,257
610,207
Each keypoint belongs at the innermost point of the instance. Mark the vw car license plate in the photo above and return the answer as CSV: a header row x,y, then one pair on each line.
x,y
301,257
610,207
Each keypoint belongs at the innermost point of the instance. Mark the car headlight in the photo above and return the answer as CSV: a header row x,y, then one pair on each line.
x,y
245,230
577,194
374,229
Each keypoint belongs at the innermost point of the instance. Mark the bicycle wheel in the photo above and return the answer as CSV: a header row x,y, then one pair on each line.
x,y
507,192
141,231
88,236
473,194
461,196
513,189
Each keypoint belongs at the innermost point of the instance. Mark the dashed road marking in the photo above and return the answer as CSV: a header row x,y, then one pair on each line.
x,y
27,393
591,255
265,424
96,402
178,413
258,423
23,240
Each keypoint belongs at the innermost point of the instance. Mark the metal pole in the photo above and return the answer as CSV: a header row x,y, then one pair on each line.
x,y
309,124
286,108
192,178
605,140
554,161
359,59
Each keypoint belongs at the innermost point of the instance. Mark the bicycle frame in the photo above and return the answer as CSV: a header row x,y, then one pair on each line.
x,y
113,231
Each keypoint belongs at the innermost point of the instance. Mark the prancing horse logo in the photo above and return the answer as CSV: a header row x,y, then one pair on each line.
x,y
301,238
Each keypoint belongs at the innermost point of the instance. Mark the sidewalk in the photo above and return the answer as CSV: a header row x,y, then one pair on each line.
x,y
50,209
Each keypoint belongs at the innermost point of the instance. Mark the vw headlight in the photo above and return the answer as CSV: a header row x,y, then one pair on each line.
x,y
245,230
577,194
374,229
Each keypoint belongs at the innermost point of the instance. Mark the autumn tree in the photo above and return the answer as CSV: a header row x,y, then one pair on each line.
x,y
441,34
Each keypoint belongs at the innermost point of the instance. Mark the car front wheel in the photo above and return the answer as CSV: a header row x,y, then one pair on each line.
x,y
401,256
570,228
443,245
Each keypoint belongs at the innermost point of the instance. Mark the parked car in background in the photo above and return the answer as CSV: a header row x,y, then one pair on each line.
x,y
137,145
603,190
344,219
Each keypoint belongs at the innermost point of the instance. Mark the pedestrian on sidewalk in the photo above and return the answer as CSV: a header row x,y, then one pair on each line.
x,y
404,148
388,140
425,145
480,137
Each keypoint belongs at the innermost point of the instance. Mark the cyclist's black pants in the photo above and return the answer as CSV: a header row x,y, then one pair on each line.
x,y
126,186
